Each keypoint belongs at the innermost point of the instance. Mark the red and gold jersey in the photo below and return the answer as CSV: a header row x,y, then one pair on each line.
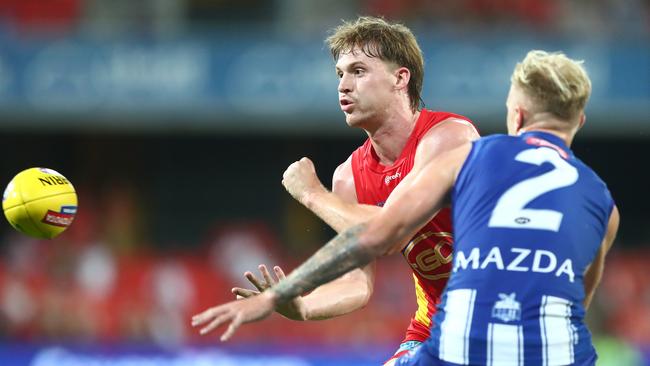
x,y
429,251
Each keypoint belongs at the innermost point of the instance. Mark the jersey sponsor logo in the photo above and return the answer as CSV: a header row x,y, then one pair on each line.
x,y
428,257
507,308
388,178
516,260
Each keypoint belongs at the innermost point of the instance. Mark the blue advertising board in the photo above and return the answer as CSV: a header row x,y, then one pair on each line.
x,y
267,83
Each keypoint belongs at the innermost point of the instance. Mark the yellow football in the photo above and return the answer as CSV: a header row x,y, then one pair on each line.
x,y
40,202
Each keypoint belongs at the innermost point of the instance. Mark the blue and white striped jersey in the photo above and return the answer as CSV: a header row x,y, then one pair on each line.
x,y
529,218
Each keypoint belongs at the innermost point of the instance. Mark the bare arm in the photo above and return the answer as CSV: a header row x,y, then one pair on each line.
x,y
410,206
416,199
338,208
594,272
414,202
444,137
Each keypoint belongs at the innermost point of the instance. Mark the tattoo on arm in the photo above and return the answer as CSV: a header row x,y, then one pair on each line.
x,y
339,256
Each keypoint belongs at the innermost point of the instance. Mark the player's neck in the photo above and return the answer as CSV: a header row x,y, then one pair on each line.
x,y
391,135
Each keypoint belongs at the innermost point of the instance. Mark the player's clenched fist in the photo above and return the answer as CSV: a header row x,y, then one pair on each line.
x,y
300,180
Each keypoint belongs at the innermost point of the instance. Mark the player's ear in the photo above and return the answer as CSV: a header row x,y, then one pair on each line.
x,y
519,119
583,119
403,75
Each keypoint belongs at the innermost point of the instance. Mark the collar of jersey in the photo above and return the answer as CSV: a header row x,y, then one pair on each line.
x,y
555,140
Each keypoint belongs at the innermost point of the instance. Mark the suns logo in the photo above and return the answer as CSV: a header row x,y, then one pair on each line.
x,y
431,261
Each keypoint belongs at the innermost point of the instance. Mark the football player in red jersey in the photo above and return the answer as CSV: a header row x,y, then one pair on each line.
x,y
380,67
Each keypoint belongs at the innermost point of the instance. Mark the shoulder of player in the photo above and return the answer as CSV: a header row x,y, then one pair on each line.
x,y
343,180
344,170
445,135
441,118
453,127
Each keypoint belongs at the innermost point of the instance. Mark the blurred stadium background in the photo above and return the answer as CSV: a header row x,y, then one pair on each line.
x,y
175,120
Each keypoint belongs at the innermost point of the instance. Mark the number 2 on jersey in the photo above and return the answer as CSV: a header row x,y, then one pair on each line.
x,y
510,212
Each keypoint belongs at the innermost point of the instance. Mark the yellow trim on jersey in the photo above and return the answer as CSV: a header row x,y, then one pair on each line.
x,y
422,314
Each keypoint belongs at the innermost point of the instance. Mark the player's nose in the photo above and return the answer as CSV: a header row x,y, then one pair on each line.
x,y
345,85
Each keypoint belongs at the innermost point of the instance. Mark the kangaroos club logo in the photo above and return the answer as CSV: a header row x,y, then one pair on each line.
x,y
507,308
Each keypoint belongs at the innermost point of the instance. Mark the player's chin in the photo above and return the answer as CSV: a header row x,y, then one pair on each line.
x,y
352,120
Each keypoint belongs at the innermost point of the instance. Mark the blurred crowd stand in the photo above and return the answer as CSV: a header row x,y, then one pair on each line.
x,y
91,290
600,18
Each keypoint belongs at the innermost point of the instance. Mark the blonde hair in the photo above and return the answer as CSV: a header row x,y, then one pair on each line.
x,y
556,83
391,42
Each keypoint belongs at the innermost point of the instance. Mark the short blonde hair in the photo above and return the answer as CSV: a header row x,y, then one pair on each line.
x,y
391,42
556,83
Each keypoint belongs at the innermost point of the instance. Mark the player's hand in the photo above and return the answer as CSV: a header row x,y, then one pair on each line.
x,y
300,180
236,313
295,309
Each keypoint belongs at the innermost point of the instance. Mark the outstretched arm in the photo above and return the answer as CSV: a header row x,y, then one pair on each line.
x,y
410,206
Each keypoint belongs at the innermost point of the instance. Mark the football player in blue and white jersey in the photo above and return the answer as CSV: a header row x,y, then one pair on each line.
x,y
532,225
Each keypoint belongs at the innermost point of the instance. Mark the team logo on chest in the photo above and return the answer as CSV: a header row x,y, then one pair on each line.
x,y
428,253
